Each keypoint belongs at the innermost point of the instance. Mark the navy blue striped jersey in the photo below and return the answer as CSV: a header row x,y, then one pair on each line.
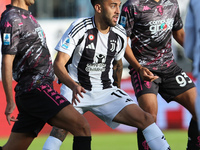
x,y
92,52
23,37
149,24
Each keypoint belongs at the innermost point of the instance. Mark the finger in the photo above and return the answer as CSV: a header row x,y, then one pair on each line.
x,y
74,101
8,119
154,78
13,119
148,72
80,95
76,98
83,90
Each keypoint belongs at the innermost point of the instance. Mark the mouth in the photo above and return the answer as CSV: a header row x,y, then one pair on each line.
x,y
115,18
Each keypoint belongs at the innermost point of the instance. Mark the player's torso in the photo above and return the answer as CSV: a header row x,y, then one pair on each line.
x,y
92,59
32,59
153,23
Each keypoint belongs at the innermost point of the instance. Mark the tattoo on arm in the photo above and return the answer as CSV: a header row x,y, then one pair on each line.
x,y
117,72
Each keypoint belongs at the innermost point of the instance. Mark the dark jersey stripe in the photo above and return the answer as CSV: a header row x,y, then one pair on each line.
x,y
110,55
87,57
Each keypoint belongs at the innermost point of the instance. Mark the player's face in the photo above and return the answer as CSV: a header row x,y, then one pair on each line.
x,y
111,11
29,2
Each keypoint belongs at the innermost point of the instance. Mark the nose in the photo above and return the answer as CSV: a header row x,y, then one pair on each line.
x,y
118,10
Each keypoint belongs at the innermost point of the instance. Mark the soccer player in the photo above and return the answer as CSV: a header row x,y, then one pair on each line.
x,y
192,46
26,56
150,25
84,67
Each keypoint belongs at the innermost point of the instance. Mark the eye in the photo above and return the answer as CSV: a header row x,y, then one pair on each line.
x,y
113,5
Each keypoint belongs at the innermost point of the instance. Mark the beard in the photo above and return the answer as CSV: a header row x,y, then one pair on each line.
x,y
107,19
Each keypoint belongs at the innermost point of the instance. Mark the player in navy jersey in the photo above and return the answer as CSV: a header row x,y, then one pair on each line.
x,y
150,25
26,56
192,46
84,66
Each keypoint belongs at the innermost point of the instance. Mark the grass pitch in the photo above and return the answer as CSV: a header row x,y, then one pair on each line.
x,y
115,141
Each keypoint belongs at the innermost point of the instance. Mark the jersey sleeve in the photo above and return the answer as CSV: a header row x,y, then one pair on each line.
x,y
10,35
67,43
178,24
127,18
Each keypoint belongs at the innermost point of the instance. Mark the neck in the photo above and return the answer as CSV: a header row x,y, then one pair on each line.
x,y
20,4
157,0
101,26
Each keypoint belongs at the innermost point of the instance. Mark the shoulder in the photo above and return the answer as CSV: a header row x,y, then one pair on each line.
x,y
11,18
131,3
119,30
80,25
84,21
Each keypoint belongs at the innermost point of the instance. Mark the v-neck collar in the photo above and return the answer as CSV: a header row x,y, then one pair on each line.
x,y
156,1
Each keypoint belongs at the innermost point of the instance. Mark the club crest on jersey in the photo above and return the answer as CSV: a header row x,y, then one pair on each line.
x,y
6,39
66,43
91,37
160,9
113,45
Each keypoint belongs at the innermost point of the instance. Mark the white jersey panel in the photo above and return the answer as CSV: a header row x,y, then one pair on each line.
x,y
92,53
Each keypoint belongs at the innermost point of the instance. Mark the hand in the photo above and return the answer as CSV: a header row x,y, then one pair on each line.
x,y
77,90
9,110
146,74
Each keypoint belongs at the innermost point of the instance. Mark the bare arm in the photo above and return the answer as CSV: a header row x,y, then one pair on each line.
x,y
143,71
7,64
117,72
62,74
179,36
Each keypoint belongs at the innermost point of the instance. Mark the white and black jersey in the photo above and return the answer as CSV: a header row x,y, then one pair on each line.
x,y
92,53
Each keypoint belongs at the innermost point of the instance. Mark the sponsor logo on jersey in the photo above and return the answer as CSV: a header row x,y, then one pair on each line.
x,y
66,43
146,8
7,24
125,9
99,58
98,65
123,21
6,39
90,46
95,67
161,25
91,37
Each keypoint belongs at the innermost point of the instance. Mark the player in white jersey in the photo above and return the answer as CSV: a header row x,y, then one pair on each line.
x,y
84,67
192,46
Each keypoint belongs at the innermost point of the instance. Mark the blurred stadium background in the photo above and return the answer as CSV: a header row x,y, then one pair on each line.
x,y
55,16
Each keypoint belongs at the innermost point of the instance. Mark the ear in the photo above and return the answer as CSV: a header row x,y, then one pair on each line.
x,y
97,8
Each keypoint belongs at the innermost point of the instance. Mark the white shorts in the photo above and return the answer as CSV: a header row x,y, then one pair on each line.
x,y
105,104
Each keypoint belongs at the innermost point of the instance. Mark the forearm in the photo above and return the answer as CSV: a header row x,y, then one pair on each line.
x,y
63,75
7,77
129,56
179,36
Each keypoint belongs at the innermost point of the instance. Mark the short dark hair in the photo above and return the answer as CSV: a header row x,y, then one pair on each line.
x,y
94,2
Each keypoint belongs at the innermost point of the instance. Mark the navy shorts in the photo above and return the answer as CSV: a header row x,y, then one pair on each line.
x,y
36,108
171,82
